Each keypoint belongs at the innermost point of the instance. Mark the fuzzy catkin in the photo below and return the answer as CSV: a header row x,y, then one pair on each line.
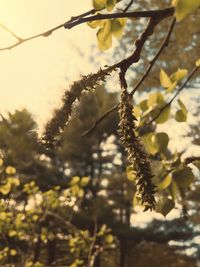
x,y
61,116
136,155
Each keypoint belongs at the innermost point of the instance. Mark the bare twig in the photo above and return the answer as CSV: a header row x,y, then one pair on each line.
x,y
42,34
85,17
128,6
191,74
162,13
99,120
153,61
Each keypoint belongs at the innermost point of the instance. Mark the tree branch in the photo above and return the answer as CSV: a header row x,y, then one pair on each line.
x,y
151,64
85,17
42,34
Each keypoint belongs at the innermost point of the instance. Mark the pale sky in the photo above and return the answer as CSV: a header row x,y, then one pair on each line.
x,y
34,74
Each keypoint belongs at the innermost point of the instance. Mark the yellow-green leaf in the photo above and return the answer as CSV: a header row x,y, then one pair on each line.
x,y
110,4
10,170
165,79
183,177
85,180
96,23
99,4
164,116
180,116
5,189
165,182
109,239
164,206
179,75
117,26
197,63
155,98
185,7
104,36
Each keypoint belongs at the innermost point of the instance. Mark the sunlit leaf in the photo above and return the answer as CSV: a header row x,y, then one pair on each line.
x,y
179,75
164,116
96,23
10,170
85,180
117,26
155,99
104,36
165,79
164,205
197,63
109,239
5,189
165,182
110,4
99,4
185,7
160,141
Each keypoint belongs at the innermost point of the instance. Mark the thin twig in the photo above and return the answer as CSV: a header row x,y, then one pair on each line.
x,y
99,120
128,6
42,34
83,18
191,74
161,13
153,61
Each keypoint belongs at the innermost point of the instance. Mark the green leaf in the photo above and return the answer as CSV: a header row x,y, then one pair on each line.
x,y
171,87
117,26
181,115
173,190
160,141
164,116
149,145
179,75
164,206
197,63
99,4
136,111
5,189
183,177
165,182
104,36
155,98
183,107
110,4
74,180
109,239
84,181
185,7
143,105
165,79
96,23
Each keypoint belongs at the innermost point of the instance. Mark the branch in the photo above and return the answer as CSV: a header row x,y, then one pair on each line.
x,y
191,159
153,61
191,74
162,13
151,64
85,17
43,34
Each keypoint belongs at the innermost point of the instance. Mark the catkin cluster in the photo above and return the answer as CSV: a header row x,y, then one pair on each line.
x,y
61,115
137,157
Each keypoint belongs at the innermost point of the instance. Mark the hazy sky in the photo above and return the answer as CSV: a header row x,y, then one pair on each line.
x,y
34,74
